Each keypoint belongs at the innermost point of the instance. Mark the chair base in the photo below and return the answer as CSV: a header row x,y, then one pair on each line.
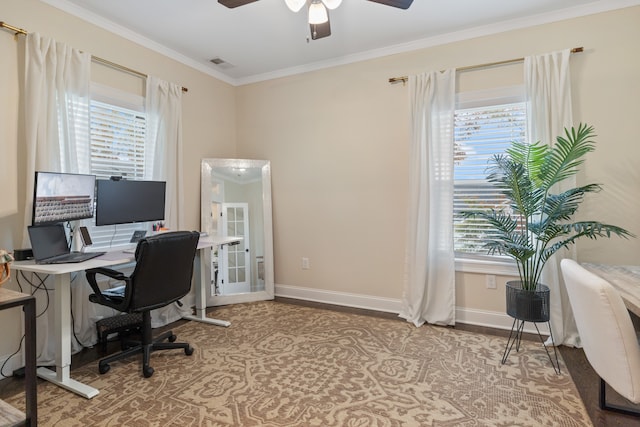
x,y
614,408
146,347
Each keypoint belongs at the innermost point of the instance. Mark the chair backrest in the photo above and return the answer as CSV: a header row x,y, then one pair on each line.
x,y
606,331
163,271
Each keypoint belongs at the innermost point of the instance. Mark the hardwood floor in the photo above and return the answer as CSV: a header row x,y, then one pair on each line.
x,y
586,380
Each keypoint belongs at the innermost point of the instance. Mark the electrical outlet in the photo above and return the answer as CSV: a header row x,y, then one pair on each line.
x,y
305,263
491,281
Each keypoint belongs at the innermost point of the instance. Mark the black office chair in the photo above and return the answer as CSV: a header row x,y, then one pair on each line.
x,y
162,275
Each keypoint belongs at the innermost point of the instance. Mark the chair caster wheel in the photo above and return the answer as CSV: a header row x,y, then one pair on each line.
x,y
172,338
147,371
188,351
103,368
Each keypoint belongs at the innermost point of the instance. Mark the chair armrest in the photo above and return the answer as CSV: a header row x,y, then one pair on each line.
x,y
109,272
91,277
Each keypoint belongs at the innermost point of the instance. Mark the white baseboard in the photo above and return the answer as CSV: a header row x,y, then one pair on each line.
x,y
464,315
346,299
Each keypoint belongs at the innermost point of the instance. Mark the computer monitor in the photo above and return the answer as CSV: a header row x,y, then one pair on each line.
x,y
60,197
120,201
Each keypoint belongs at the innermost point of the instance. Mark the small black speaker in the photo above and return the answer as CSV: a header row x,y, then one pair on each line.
x,y
22,254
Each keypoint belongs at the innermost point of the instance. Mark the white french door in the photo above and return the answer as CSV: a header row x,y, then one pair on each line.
x,y
234,269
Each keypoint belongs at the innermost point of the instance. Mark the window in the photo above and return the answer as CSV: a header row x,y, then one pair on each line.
x,y
117,141
481,130
117,148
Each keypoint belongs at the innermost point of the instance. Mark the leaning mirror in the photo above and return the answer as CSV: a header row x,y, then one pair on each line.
x,y
236,201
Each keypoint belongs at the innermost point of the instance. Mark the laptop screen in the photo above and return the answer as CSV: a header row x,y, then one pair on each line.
x,y
48,241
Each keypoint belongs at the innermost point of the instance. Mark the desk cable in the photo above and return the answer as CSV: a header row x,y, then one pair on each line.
x,y
41,285
35,287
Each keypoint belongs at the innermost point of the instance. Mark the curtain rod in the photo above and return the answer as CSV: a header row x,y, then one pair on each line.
x,y
404,79
17,31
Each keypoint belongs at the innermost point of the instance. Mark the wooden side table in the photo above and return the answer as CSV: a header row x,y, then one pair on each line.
x,y
8,414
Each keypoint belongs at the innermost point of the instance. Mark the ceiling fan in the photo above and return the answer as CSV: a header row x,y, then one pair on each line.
x,y
318,14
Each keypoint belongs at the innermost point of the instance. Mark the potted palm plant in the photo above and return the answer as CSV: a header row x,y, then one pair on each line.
x,y
536,222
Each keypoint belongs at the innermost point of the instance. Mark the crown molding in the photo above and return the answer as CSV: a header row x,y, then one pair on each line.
x,y
481,31
127,34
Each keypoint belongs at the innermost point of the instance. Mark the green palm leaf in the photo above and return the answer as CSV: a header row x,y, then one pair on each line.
x,y
564,158
538,222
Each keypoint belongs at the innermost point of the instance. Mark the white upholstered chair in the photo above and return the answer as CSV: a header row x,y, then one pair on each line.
x,y
607,333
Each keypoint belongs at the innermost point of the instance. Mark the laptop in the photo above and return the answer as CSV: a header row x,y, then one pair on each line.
x,y
49,245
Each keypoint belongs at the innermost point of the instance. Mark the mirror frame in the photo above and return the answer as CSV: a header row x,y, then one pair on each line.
x,y
207,166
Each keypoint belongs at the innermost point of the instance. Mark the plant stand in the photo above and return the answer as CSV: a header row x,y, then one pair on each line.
x,y
528,306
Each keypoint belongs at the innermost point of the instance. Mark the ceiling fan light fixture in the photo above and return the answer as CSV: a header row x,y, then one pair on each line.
x,y
317,13
332,4
295,5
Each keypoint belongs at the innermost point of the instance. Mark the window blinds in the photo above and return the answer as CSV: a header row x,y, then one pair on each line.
x,y
117,141
480,133
117,149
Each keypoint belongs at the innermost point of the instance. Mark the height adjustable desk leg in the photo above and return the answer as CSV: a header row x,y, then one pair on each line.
x,y
62,324
202,279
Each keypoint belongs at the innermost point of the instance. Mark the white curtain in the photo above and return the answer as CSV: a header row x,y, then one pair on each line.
x,y
163,107
429,282
56,97
548,87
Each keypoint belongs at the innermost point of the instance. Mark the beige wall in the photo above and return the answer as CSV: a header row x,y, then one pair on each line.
x,y
208,113
337,140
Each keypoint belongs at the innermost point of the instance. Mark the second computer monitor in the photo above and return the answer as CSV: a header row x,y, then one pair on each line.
x,y
124,201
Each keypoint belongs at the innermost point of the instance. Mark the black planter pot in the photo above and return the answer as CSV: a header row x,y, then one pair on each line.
x,y
528,305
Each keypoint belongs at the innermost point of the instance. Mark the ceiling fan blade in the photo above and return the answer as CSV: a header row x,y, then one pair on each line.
x,y
235,3
402,4
319,31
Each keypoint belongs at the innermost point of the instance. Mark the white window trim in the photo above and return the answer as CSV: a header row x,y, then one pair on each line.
x,y
494,96
501,266
488,264
109,95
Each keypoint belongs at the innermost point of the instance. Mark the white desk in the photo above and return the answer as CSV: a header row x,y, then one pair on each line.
x,y
62,298
625,279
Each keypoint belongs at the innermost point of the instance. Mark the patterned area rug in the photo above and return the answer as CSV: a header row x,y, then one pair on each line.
x,y
287,365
